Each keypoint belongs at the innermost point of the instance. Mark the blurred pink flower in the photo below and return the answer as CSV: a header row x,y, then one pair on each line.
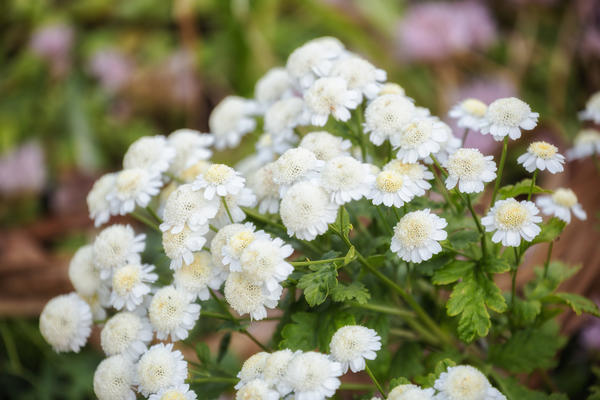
x,y
180,69
23,170
53,43
112,68
436,30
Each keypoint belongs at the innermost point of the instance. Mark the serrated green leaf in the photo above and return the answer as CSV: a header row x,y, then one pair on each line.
x,y
318,284
407,361
350,255
355,291
203,353
550,231
329,322
520,188
342,224
430,378
399,381
300,334
525,311
577,303
463,238
452,272
543,286
436,262
495,265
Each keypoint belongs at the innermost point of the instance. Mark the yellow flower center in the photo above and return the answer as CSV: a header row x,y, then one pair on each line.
x,y
190,173
542,150
126,278
413,230
128,180
389,181
391,88
416,133
173,395
218,173
474,107
511,215
565,197
240,241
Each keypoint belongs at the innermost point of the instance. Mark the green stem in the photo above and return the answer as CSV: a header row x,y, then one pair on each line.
x,y
215,379
145,221
385,309
174,178
500,170
445,192
384,220
227,209
535,174
210,314
464,138
375,381
355,386
309,262
154,215
213,228
453,250
403,333
255,340
261,218
479,226
396,213
547,263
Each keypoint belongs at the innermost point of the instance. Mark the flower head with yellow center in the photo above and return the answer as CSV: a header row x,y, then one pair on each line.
x,y
392,189
133,186
386,116
464,382
561,204
160,368
177,392
220,180
542,156
506,117
511,220
330,96
351,345
469,113
470,169
130,283
417,235
173,313
592,109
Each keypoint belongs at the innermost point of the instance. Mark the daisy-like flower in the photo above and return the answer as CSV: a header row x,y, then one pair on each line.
x,y
248,297
152,153
508,116
447,147
417,235
470,169
275,85
417,173
186,206
360,74
172,312
220,180
592,109
190,147
176,392
219,241
410,392
391,88
237,243
114,379
560,204
330,95
464,382
160,368
313,59
230,120
245,198
469,113
189,174
264,261
284,115
256,389
269,146
97,201
198,276
351,345
587,143
419,138
386,115
392,188
295,165
542,155
266,190
82,272
325,146
130,283
252,368
346,179
116,246
179,247
313,375
306,211
275,369
512,220
126,333
66,322
133,186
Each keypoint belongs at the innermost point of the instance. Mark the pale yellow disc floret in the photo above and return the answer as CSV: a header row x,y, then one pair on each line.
x,y
509,111
511,215
240,240
564,197
173,395
467,384
543,150
416,133
413,230
389,181
130,180
191,172
126,278
218,173
466,163
474,107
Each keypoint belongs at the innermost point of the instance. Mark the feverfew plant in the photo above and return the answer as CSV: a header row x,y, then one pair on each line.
x,y
360,226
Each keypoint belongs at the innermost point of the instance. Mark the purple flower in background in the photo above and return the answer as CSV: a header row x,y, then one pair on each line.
x,y
23,170
53,43
112,68
436,30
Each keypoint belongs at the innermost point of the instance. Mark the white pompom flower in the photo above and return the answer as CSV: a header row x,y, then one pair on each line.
x,y
313,376
351,345
190,146
419,139
587,143
447,147
256,389
542,156
325,146
186,206
66,322
417,173
411,392
220,180
152,153
275,369
506,117
160,368
360,74
130,283
230,120
264,261
116,246
133,186
245,198
252,368
275,85
269,146
330,96
176,392
417,236
592,109
97,199
219,241
237,243
296,165
263,185
126,333
180,247
313,59
198,276
82,272
392,188
284,115
511,220
248,297
306,210
470,169
469,113
173,313
464,382
391,88
385,117
114,379
346,179
560,204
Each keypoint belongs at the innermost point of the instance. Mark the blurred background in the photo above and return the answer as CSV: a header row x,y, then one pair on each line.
x,y
80,80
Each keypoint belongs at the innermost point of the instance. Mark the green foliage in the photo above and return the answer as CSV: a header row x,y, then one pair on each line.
x,y
318,284
514,390
577,303
429,379
521,188
550,231
408,361
355,291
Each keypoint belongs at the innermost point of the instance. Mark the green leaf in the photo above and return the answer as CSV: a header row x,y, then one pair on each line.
x,y
300,334
376,260
342,224
520,189
436,262
577,303
329,322
558,272
550,231
452,272
430,378
318,284
526,311
350,256
495,265
407,361
355,291
513,390
203,353
463,238
223,346
399,381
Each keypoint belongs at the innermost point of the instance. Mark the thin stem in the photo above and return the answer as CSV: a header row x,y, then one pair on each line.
x,y
361,135
210,314
227,209
547,263
154,215
385,309
215,379
213,228
403,333
479,227
500,169
174,178
259,217
396,213
445,192
453,250
535,173
384,220
464,138
145,221
355,386
375,381
309,262
255,340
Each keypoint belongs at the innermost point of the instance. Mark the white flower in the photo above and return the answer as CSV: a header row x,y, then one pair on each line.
x,y
313,59
508,116
219,241
275,85
295,165
275,368
417,173
266,190
116,246
410,392
346,179
560,204
313,376
419,138
542,155
283,116
172,312
247,297
270,145
126,333
152,153
351,345
198,276
264,261
130,283
66,322
221,180
469,113
470,169
230,120
190,147
306,211
237,243
464,382
186,206
179,247
252,368
97,201
391,88
114,379
176,392
245,198
82,272
587,143
447,147
160,368
98,302
592,109
392,189
330,95
256,390
133,186
324,145
512,220
189,174
386,115
417,235
360,74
